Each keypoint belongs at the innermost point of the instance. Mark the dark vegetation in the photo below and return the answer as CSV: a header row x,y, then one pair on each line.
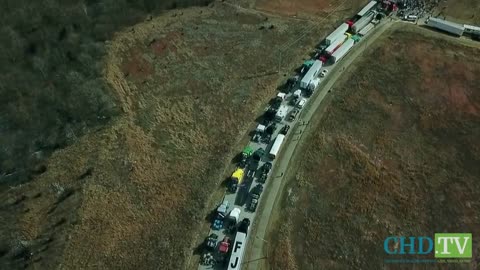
x,y
51,93
51,90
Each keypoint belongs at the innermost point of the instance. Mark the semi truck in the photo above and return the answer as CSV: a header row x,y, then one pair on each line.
x,y
311,74
450,27
221,213
342,51
276,146
335,44
281,113
255,197
238,250
367,8
336,34
364,21
236,179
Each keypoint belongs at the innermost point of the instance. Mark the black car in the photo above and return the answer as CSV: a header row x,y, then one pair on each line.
x,y
285,129
258,189
262,178
267,167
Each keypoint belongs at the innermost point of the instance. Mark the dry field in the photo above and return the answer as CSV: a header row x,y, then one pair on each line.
x,y
461,11
397,152
319,8
135,194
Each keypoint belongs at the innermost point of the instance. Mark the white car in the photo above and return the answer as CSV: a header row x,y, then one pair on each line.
x,y
323,73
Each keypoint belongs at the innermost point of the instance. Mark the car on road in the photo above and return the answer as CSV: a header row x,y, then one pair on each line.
x,y
267,167
293,114
323,73
301,103
211,241
224,245
285,129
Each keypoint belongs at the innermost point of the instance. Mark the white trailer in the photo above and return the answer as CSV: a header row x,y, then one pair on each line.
x,y
276,146
342,51
450,27
238,249
363,22
335,44
338,33
311,74
367,8
472,29
366,29
281,113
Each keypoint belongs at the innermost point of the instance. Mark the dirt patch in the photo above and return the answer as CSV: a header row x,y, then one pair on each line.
x,y
137,66
401,161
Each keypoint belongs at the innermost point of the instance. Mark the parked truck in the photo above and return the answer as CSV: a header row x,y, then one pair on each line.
x,y
246,153
236,179
447,26
311,74
338,33
364,21
255,197
342,51
220,215
233,218
335,44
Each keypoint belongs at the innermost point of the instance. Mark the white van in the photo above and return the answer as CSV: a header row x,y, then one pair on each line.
x,y
410,18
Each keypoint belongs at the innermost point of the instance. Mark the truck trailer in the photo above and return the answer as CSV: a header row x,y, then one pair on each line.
x,y
366,29
276,146
311,74
367,8
338,33
447,26
237,251
364,21
335,44
342,51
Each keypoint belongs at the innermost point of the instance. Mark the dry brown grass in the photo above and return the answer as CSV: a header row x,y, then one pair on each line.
x,y
308,7
462,11
403,161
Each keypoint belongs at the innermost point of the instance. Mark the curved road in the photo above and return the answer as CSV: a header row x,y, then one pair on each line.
x,y
255,254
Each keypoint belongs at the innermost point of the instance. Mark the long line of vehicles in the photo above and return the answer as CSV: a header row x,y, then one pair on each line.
x,y
257,158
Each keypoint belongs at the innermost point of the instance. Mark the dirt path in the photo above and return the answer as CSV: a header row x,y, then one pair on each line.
x,y
257,250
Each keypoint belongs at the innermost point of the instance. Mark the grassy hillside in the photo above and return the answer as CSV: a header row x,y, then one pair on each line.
x,y
51,91
51,94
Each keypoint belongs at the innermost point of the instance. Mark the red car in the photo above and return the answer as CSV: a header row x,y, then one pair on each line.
x,y
224,245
